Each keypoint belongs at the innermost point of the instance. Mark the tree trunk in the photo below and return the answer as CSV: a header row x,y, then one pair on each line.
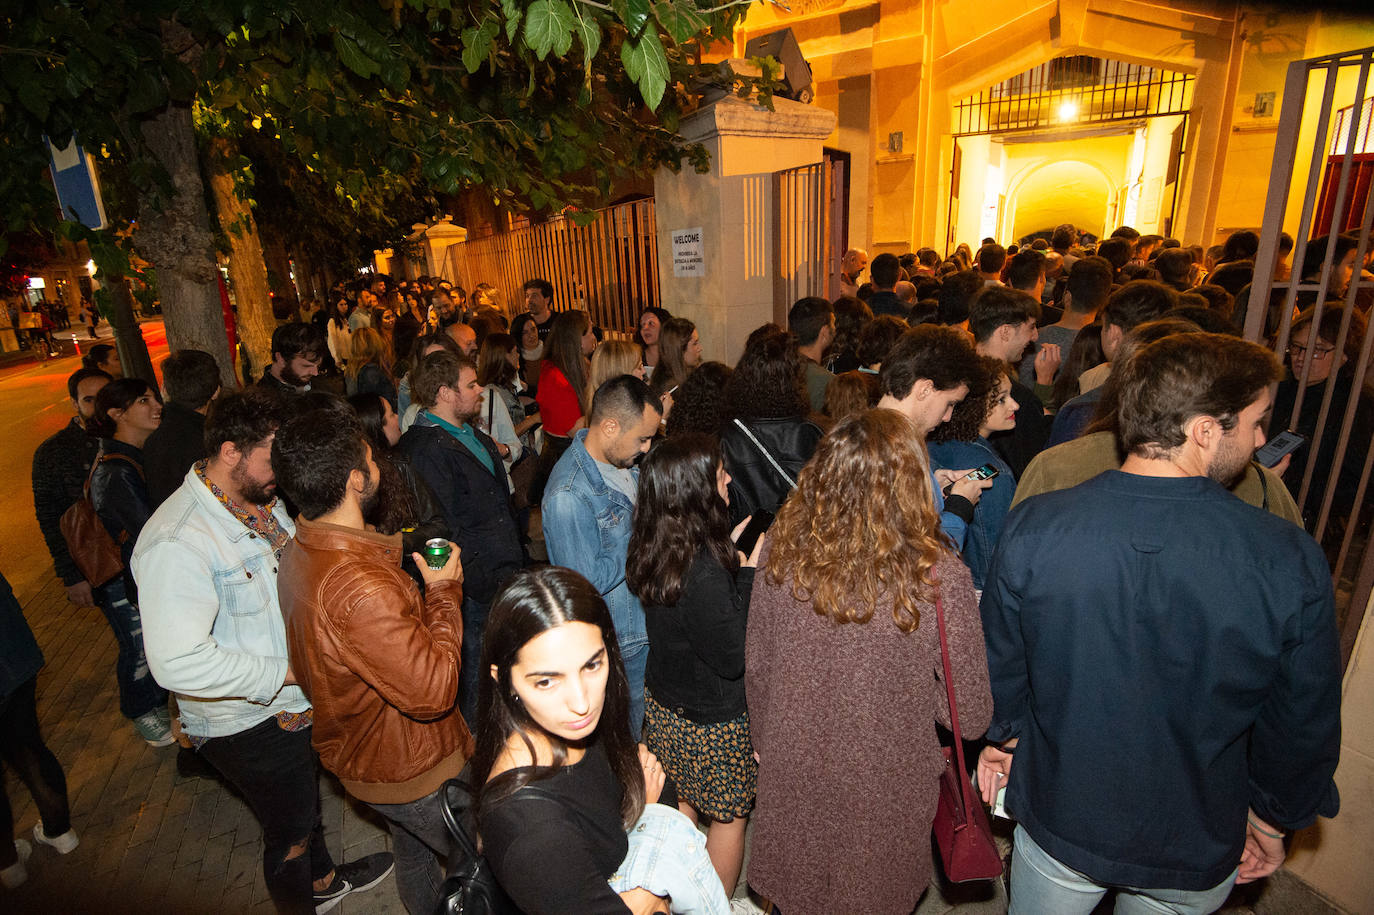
x,y
173,234
288,303
129,342
247,269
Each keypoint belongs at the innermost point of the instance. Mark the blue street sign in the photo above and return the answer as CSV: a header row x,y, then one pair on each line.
x,y
78,189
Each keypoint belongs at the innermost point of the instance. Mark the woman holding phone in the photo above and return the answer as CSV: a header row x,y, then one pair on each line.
x,y
963,442
694,586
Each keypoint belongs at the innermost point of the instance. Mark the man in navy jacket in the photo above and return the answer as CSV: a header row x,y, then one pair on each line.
x,y
1163,656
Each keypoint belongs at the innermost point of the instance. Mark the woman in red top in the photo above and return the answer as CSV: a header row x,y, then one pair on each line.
x,y
562,388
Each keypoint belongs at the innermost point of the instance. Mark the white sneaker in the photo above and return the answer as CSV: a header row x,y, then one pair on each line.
x,y
14,876
65,843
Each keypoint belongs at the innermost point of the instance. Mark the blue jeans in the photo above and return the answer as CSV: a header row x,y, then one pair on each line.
x,y
636,659
1040,884
275,771
470,658
419,839
139,693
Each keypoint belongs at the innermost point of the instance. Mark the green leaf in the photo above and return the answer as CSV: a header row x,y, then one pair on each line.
x,y
647,64
681,19
634,13
477,43
32,97
353,57
589,34
548,27
511,10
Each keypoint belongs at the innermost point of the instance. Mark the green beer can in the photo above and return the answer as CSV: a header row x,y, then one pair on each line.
x,y
437,552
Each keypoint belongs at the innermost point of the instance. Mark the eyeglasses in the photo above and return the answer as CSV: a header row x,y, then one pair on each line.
x,y
1318,352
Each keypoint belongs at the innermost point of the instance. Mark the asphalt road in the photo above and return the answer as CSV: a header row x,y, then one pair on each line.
x,y
33,405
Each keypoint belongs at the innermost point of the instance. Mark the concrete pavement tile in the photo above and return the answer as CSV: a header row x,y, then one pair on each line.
x,y
149,824
237,899
214,866
245,862
190,853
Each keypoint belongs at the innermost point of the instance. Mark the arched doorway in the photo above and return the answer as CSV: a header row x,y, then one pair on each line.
x,y
1065,190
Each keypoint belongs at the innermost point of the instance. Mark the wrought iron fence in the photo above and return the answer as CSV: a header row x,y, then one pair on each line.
x,y
1339,519
609,267
802,238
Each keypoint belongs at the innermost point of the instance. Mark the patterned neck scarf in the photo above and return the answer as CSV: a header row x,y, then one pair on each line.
x,y
257,518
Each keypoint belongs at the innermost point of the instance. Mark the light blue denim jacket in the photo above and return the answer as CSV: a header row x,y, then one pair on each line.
x,y
668,857
587,529
212,624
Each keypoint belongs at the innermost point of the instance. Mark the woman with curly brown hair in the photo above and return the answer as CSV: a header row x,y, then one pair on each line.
x,y
962,442
843,674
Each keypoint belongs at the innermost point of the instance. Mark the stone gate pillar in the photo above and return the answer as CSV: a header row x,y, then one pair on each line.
x,y
723,221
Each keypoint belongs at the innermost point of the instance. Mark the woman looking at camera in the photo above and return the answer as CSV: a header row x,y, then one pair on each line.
x,y
963,442
559,778
843,673
127,410
694,585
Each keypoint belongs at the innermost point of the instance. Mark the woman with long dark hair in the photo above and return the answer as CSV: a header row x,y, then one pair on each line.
x,y
679,352
694,585
127,410
525,330
647,330
405,505
843,673
498,370
337,333
767,437
562,388
558,777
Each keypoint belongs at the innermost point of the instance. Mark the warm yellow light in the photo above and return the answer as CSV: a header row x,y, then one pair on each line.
x,y
1068,111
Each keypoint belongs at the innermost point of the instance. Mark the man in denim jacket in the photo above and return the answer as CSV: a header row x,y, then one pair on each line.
x,y
206,565
588,506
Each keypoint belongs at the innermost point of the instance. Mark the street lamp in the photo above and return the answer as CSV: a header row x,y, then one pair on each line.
x,y
1068,111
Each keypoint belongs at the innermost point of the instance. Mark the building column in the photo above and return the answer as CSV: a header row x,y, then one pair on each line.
x,y
722,277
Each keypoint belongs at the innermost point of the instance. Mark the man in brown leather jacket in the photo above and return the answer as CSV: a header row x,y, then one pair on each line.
x,y
379,661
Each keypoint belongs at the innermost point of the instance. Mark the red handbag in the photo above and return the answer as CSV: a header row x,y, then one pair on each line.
x,y
961,825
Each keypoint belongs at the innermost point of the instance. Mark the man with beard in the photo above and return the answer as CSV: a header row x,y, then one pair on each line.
x,y
589,502
206,564
380,661
296,353
60,467
466,473
1163,656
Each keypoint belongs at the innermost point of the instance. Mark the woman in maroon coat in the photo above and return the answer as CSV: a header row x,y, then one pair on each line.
x,y
843,676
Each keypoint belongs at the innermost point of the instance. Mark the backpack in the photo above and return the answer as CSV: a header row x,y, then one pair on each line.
x,y
470,888
94,551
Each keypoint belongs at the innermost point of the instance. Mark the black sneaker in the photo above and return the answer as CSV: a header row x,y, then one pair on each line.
x,y
353,877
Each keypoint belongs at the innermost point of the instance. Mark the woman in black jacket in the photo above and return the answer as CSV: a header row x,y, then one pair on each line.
x,y
683,566
405,504
127,410
766,436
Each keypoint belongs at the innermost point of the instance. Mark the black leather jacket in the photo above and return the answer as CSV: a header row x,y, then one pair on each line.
x,y
120,497
755,484
60,466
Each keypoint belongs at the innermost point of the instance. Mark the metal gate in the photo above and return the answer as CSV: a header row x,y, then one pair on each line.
x,y
1343,81
808,225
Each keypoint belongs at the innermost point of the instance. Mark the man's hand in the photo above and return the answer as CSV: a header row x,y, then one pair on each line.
x,y
654,776
503,450
994,768
1262,853
969,489
642,902
452,570
1047,362
80,594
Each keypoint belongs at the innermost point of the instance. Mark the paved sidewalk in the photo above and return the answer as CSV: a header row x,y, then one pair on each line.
x,y
150,840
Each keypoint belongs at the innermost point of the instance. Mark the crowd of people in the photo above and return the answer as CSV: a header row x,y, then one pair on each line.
x,y
1049,450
